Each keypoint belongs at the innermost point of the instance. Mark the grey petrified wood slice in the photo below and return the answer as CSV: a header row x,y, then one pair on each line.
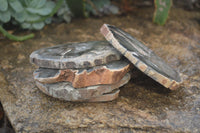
x,y
105,74
64,91
105,97
75,55
141,56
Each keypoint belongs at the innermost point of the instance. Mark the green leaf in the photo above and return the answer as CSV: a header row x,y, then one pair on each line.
x,y
114,9
32,17
5,16
46,10
61,11
38,26
33,3
20,16
77,9
3,5
89,9
67,18
37,3
26,25
16,5
55,9
48,20
41,3
101,3
28,2
161,12
100,7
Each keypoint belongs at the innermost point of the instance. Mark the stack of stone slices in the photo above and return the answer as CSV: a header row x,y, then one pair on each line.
x,y
89,71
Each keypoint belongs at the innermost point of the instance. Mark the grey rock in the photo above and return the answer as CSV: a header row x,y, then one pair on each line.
x,y
65,91
105,97
142,57
75,55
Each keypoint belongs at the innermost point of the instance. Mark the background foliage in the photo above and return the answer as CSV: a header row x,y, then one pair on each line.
x,y
35,14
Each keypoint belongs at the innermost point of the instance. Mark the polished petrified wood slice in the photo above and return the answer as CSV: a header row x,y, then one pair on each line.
x,y
141,56
75,55
64,91
106,74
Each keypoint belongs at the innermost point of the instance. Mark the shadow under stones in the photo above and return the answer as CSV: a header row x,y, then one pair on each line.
x,y
141,80
145,93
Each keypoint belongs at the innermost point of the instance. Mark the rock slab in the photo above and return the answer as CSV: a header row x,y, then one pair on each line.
x,y
98,93
142,57
75,55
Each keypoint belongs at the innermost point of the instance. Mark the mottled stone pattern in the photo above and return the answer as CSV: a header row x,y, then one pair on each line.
x,y
65,91
75,55
143,105
142,57
105,74
5,126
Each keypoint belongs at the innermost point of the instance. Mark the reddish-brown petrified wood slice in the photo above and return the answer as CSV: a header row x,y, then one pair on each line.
x,y
106,74
142,57
75,55
64,91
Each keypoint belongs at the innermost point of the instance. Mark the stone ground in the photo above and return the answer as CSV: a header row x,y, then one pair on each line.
x,y
143,104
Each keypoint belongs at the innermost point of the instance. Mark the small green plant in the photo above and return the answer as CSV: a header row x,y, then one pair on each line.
x,y
162,8
101,7
94,7
64,13
28,14
35,14
77,7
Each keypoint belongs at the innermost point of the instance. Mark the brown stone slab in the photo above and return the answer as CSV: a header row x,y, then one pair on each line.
x,y
141,56
75,55
64,90
106,74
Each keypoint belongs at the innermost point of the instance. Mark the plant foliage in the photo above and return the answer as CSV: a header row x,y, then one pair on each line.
x,y
78,10
100,7
35,14
64,13
162,8
28,14
94,7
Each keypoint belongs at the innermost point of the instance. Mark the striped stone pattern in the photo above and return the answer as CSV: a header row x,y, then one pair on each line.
x,y
98,93
110,73
81,72
165,81
75,55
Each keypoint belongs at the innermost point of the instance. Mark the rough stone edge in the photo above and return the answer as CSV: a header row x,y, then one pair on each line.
x,y
78,92
166,82
78,77
63,64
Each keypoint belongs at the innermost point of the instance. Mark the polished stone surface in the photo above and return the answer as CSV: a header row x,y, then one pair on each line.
x,y
65,91
105,74
75,55
141,56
